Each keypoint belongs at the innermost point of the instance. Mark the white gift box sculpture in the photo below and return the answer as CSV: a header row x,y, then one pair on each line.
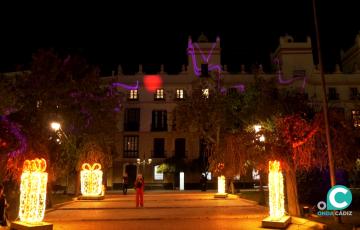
x,y
91,180
33,191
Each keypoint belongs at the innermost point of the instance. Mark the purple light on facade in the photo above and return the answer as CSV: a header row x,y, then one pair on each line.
x,y
240,87
15,130
289,81
124,86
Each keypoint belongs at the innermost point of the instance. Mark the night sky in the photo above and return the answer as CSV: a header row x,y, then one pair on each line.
x,y
153,33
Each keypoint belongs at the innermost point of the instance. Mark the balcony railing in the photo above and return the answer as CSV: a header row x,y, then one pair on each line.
x,y
158,154
130,154
131,126
179,154
334,96
159,128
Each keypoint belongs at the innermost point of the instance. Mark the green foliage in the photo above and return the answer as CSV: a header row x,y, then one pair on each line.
x,y
69,91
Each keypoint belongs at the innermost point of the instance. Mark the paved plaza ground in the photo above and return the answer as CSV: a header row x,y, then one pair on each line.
x,y
163,210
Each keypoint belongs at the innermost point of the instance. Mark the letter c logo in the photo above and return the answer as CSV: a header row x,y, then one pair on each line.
x,y
338,198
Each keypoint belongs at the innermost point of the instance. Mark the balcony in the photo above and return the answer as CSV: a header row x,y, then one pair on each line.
x,y
333,97
130,154
131,126
180,154
157,128
158,154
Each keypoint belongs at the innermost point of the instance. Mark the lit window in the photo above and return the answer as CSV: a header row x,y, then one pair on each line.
x,y
133,94
356,118
205,92
159,94
158,175
179,94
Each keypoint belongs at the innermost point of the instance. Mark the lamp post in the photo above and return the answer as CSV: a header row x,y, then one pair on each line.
x,y
56,126
325,106
143,162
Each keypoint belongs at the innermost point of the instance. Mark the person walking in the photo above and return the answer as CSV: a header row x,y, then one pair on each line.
x,y
139,187
125,183
3,206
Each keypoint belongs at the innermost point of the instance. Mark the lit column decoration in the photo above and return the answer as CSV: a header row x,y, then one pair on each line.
x,y
276,191
33,191
221,184
91,180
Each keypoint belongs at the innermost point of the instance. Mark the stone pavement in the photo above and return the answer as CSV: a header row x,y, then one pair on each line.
x,y
163,210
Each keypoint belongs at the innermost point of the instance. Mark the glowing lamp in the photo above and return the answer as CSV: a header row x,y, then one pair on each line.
x,y
276,191
221,184
33,191
91,180
152,82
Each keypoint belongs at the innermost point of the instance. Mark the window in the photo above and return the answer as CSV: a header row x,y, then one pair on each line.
x,y
180,94
299,73
132,119
180,147
133,94
158,175
159,94
333,95
159,120
159,148
204,70
353,93
356,118
131,146
205,93
232,91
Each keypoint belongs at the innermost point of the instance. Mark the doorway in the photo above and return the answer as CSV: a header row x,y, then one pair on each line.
x,y
131,171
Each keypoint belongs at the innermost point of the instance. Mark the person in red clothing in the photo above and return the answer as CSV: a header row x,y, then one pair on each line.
x,y
139,187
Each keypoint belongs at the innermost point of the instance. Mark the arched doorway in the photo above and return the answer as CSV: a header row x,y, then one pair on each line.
x,y
131,171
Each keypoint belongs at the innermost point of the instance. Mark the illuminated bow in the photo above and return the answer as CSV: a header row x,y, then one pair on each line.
x,y
87,166
36,165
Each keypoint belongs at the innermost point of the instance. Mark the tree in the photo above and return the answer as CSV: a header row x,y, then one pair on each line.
x,y
67,90
294,135
209,114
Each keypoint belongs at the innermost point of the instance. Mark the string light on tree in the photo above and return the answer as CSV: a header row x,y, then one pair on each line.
x,y
277,218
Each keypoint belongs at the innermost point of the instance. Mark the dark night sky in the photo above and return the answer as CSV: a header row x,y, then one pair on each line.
x,y
154,33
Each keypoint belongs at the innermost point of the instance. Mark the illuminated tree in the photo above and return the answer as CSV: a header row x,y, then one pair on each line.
x,y
67,90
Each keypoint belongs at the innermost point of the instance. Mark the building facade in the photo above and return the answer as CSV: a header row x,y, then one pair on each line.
x,y
146,134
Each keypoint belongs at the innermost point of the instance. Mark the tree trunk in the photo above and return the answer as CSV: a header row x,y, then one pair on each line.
x,y
77,185
291,192
261,188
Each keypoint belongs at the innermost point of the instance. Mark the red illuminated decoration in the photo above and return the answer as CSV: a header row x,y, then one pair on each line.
x,y
152,82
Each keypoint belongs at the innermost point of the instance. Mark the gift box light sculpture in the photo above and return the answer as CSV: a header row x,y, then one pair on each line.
x,y
91,180
277,218
33,191
276,191
221,184
221,188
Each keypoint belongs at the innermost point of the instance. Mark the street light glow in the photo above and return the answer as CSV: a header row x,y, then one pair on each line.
x,y
55,126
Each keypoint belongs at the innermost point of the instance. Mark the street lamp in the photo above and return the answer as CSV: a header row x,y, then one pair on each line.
x,y
143,162
55,126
